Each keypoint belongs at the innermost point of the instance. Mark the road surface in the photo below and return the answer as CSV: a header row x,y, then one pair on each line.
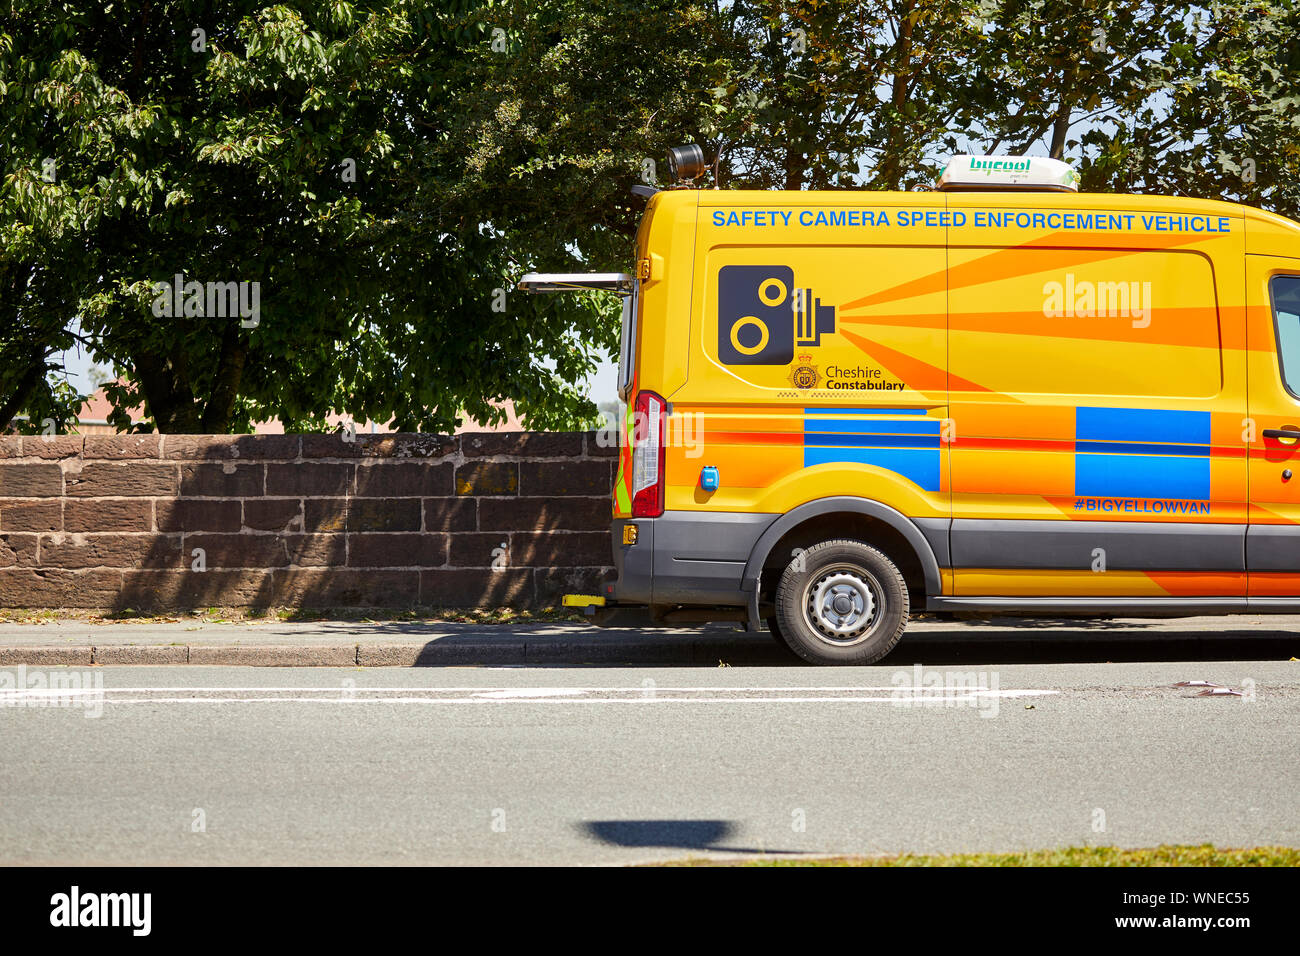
x,y
609,765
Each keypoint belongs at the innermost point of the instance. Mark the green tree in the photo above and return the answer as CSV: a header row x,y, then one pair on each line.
x,y
382,171
1224,121
45,261
838,94
1193,99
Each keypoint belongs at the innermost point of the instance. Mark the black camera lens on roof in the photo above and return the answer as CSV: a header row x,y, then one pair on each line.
x,y
686,163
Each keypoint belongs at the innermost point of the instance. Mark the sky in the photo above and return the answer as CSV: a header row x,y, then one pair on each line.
x,y
77,364
603,386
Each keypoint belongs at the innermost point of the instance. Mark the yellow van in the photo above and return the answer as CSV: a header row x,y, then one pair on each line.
x,y
999,395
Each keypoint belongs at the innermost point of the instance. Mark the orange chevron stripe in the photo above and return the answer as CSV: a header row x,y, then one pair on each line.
x,y
916,320
1185,326
1261,515
1273,584
1200,583
753,438
1007,263
916,374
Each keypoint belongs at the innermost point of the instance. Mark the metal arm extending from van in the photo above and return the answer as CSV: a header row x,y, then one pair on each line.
x,y
617,282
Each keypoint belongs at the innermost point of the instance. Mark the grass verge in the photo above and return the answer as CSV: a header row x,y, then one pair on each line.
x,y
1203,855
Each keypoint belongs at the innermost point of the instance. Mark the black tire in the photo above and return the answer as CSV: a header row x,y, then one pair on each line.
x,y
841,602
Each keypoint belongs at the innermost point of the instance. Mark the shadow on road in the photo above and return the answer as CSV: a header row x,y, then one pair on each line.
x,y
670,834
1004,640
1047,640
997,641
928,640
714,649
1074,648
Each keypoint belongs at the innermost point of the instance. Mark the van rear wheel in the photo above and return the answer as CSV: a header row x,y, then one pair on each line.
x,y
841,602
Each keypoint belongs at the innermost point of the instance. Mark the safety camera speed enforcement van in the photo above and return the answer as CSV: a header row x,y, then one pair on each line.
x,y
999,395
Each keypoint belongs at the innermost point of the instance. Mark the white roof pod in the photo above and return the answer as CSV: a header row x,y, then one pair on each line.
x,y
1008,172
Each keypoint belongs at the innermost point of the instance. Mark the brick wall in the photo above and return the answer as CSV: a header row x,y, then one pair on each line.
x,y
113,522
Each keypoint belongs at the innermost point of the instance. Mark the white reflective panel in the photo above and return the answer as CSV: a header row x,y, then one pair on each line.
x,y
619,282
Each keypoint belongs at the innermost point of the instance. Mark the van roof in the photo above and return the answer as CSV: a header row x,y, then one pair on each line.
x,y
1019,197
1267,222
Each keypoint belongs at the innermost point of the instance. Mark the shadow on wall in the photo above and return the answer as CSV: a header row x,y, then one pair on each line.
x,y
387,521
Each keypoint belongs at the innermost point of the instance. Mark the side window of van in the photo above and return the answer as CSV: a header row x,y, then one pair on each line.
x,y
1286,317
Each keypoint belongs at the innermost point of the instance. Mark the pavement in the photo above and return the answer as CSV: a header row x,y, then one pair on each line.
x,y
405,644
600,765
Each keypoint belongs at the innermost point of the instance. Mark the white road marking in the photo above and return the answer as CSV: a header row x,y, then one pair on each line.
x,y
520,695
638,688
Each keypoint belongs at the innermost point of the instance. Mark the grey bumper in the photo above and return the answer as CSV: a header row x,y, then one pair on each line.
x,y
686,557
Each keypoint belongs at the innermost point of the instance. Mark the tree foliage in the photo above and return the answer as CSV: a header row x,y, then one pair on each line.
x,y
372,167
1181,98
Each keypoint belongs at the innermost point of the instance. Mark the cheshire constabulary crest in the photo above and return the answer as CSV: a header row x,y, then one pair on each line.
x,y
805,375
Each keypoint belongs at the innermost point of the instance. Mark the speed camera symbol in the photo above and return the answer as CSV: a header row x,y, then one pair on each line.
x,y
763,316
755,316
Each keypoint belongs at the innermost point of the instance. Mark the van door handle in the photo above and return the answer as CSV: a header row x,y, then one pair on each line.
x,y
1282,433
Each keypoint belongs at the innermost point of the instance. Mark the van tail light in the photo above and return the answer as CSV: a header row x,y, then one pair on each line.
x,y
649,427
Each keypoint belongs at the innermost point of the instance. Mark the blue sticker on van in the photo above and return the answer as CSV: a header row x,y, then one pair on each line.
x,y
1142,453
908,446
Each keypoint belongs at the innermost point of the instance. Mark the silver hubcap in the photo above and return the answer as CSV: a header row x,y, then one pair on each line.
x,y
841,605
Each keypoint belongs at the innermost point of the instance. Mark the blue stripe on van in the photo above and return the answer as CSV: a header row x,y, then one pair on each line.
x,y
1137,448
1142,453
907,443
920,466
864,411
1142,425
926,426
872,441
1142,476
